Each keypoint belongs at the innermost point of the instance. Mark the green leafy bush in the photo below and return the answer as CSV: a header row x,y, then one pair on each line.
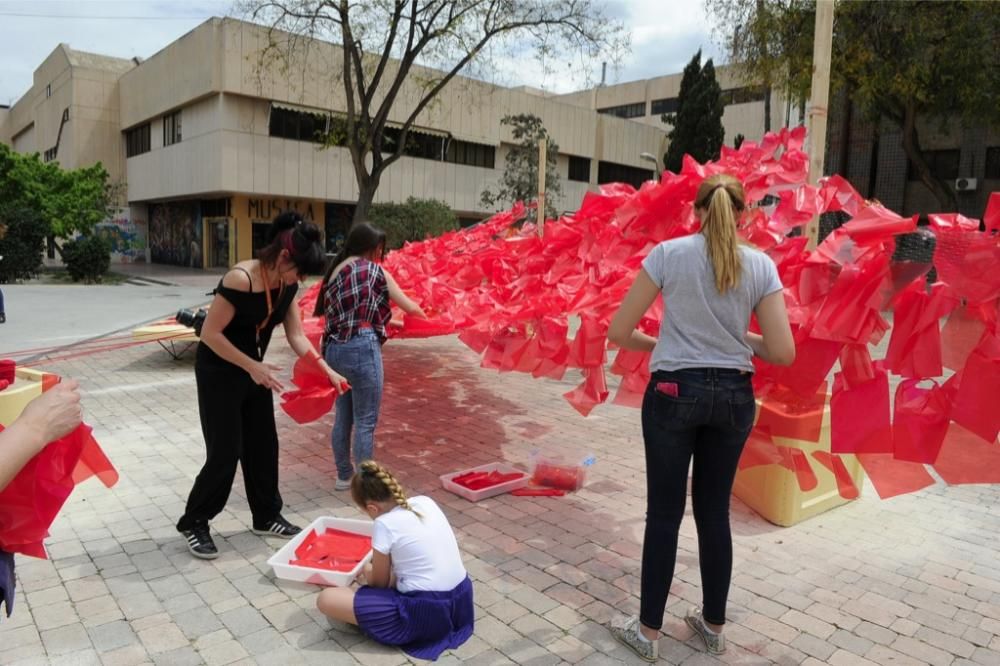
x,y
21,244
414,220
87,258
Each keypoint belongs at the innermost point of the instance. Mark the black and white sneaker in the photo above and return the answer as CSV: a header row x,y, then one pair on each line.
x,y
279,527
200,542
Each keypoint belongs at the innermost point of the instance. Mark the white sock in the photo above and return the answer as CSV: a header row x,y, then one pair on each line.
x,y
642,637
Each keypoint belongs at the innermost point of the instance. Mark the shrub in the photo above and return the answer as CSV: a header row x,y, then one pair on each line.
x,y
414,220
87,258
21,245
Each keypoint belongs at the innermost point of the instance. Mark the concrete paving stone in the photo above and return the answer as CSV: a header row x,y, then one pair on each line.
x,y
185,656
227,652
55,615
112,635
66,639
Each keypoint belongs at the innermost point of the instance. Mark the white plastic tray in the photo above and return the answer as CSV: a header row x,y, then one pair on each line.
x,y
280,560
499,489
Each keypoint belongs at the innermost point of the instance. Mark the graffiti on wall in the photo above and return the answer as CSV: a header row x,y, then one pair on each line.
x,y
175,234
125,236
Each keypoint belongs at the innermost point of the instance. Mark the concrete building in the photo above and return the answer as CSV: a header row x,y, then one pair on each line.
x,y
212,144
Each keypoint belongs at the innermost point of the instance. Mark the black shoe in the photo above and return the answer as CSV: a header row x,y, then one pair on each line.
x,y
279,527
3,318
200,542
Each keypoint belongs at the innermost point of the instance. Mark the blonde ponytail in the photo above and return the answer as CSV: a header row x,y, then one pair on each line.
x,y
374,483
721,198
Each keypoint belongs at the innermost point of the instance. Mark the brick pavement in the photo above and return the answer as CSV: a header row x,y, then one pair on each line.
x,y
911,580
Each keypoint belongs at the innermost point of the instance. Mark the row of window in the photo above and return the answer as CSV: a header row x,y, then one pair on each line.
x,y
669,104
137,139
304,126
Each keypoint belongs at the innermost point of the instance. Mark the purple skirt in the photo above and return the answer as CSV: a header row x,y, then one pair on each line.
x,y
422,624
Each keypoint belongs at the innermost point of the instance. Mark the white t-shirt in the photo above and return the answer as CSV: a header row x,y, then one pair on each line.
x,y
423,548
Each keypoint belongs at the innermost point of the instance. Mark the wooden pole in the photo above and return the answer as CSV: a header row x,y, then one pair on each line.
x,y
819,97
541,186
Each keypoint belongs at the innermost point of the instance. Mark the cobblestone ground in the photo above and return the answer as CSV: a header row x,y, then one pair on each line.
x,y
913,580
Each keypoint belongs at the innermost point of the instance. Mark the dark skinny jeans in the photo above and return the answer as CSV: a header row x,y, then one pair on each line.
x,y
709,420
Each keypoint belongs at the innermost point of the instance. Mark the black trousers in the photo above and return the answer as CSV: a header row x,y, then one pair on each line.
x,y
708,420
237,420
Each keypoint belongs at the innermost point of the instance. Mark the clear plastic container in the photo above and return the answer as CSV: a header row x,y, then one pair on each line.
x,y
492,491
281,561
556,472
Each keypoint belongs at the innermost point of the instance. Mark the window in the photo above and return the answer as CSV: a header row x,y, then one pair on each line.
x,y
418,144
470,154
666,105
579,169
216,207
137,140
48,90
636,110
992,162
942,163
609,172
172,128
297,125
743,95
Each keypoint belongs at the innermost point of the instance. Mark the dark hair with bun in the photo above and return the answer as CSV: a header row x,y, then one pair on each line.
x,y
288,231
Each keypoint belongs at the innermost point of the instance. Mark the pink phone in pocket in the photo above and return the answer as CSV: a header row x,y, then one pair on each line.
x,y
667,388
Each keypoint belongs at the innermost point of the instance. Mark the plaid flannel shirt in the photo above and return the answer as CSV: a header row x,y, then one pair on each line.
x,y
358,296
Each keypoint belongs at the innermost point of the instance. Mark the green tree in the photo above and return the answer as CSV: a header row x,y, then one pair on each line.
x,y
520,175
400,54
412,221
67,201
902,61
697,125
22,241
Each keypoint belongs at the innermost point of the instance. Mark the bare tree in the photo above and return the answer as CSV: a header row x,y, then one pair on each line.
x,y
390,47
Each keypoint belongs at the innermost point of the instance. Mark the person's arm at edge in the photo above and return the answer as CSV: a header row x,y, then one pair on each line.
x,y
774,343
622,330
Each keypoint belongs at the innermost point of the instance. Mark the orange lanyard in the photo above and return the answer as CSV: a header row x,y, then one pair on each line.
x,y
267,296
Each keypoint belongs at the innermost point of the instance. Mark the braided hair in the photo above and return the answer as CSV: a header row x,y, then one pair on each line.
x,y
374,483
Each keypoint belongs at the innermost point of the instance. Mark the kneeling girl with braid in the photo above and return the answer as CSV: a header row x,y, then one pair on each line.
x,y
418,595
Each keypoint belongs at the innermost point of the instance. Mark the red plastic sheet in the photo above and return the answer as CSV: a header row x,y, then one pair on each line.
x,y
892,477
481,480
30,502
991,218
915,345
845,484
978,387
334,550
787,414
965,458
859,415
920,421
315,395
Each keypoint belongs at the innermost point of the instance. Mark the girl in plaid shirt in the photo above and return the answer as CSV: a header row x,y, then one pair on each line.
x,y
355,299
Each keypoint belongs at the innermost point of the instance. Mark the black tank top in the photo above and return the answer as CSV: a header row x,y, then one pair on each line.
x,y
251,311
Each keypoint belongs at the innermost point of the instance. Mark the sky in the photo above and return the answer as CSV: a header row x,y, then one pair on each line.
x,y
665,34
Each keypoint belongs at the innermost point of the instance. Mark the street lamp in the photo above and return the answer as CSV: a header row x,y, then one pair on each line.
x,y
649,157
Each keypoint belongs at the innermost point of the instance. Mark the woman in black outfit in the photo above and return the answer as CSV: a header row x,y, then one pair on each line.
x,y
235,384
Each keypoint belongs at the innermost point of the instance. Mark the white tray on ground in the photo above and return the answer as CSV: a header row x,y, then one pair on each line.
x,y
280,561
492,491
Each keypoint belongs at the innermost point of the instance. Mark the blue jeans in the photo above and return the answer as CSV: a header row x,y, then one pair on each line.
x,y
360,361
709,420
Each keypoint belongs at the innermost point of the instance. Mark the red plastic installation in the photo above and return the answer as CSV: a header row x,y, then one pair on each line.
x,y
30,502
509,295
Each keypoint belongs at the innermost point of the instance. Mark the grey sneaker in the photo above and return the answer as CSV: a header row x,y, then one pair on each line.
x,y
628,634
342,484
714,643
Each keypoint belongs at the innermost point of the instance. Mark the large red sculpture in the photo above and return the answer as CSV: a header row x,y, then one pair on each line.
x,y
509,295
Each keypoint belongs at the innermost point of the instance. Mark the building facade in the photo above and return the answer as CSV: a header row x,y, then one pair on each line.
x,y
209,142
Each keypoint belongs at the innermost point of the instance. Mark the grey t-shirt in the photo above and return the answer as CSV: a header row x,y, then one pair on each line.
x,y
702,328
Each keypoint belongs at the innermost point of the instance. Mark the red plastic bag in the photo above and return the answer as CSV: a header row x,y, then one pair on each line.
x,y
859,415
920,421
760,450
33,498
960,335
893,477
334,550
787,414
845,484
915,346
978,388
965,458
991,218
590,393
315,395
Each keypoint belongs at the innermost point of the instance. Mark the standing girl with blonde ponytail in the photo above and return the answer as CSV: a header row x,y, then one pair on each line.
x,y
418,595
699,404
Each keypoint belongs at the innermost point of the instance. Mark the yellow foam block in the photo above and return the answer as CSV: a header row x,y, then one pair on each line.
x,y
26,387
773,491
165,332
